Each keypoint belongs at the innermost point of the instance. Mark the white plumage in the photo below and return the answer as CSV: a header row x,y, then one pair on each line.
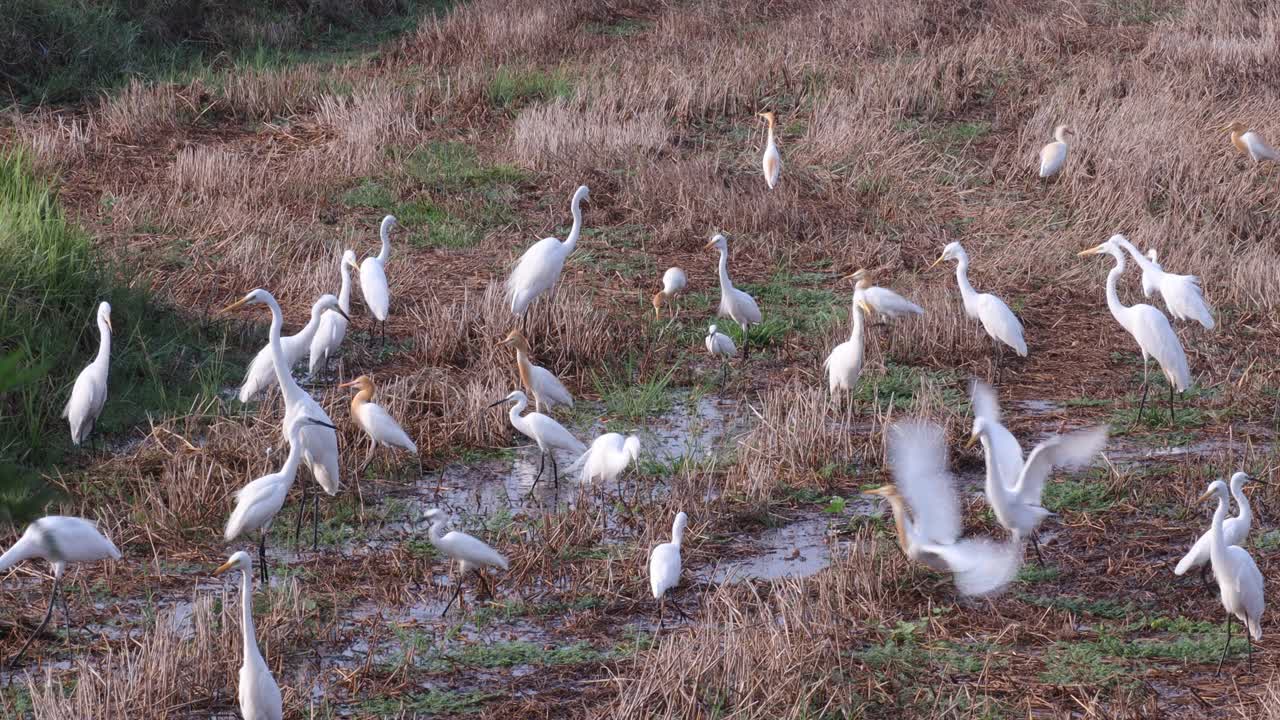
x,y
374,420
1004,448
262,372
373,274
608,457
547,433
89,393
1054,155
471,554
258,693
1181,293
771,162
546,388
1239,581
1250,142
333,326
674,282
258,502
734,303
719,344
844,364
1235,529
885,302
539,267
664,560
997,319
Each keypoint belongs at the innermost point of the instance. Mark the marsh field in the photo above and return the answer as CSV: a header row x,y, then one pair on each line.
x,y
173,187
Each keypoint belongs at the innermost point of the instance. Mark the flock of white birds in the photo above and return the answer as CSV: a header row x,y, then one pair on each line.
x,y
923,499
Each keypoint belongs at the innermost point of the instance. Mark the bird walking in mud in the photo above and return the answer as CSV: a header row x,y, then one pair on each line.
x,y
375,421
720,346
471,554
547,433
664,567
373,278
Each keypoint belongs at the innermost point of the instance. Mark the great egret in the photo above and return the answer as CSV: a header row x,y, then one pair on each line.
x,y
547,390
1181,293
664,565
926,513
673,283
375,421
60,540
1016,501
1003,446
539,267
886,303
547,433
1251,143
319,444
721,346
333,326
373,277
844,364
996,317
473,555
1234,529
1239,581
89,393
1150,328
734,303
259,694
1054,155
772,160
262,372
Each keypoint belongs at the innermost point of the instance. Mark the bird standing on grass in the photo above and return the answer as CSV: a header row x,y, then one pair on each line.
x,y
1234,530
333,326
375,421
547,433
262,372
259,694
539,267
664,566
60,540
997,319
673,283
1251,143
772,160
1239,581
734,303
885,303
1054,155
373,277
844,364
89,393
1181,293
721,346
546,388
472,555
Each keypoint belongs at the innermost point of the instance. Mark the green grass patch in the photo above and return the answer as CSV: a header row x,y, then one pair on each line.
x,y
1077,495
443,703
510,88
627,400
1032,574
1082,664
898,386
519,652
1102,608
446,165
370,194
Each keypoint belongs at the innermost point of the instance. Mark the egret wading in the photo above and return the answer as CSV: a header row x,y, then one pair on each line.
x,y
472,555
720,346
734,303
89,393
547,433
539,267
258,692
262,372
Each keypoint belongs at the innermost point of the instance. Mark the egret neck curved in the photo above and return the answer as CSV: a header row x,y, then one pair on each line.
x,y
1246,510
1217,538
344,295
725,282
250,636
572,241
1143,261
104,343
385,233
525,368
967,293
292,393
436,531
858,321
997,493
1113,298
363,396
514,413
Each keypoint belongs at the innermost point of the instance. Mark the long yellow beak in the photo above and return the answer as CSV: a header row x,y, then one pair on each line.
x,y
352,264
1207,495
710,244
865,307
972,440
223,568
235,305
348,384
110,327
935,262
1091,251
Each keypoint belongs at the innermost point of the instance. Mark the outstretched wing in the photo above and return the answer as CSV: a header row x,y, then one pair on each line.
x,y
1070,450
918,456
981,566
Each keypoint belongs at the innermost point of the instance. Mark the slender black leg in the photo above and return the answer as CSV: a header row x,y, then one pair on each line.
x,y
1035,543
1226,646
455,597
679,610
555,471
1143,404
53,596
724,372
1170,404
66,611
315,520
542,465
262,555
302,509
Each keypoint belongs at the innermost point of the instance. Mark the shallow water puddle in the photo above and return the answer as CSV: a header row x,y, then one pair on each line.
x,y
798,549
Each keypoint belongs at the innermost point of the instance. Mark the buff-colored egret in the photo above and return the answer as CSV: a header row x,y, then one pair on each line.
x,y
259,694
319,444
772,160
844,364
546,388
375,421
720,346
59,540
547,433
373,277
926,513
1150,328
997,319
734,303
885,303
89,393
1054,155
1250,142
472,554
539,267
1016,501
664,566
333,325
262,371
674,282
1239,581
1181,293
1005,450
1234,529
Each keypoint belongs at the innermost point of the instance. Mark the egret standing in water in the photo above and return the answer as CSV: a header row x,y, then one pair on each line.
x,y
607,458
673,283
471,554
1239,581
734,303
547,433
546,388
664,566
60,540
844,364
375,421
539,267
1235,531
1251,143
259,694
333,326
262,372
997,319
1181,293
1054,155
373,277
772,160
89,393
721,346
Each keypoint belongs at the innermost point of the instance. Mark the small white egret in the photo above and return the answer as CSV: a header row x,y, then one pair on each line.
x,y
262,371
375,421
996,317
1004,447
772,160
1054,155
926,513
673,283
1150,328
664,566
259,694
886,303
333,326
606,459
373,277
721,346
844,364
1251,143
473,555
1235,530
60,540
734,303
1239,581
89,393
1181,293
547,433
546,388
539,267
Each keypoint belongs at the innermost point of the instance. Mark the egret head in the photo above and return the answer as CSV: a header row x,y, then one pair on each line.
x,y
238,561
255,297
436,515
981,426
631,446
515,396
719,242
329,302
953,251
104,314
1152,255
677,527
1238,480
388,224
1060,133
582,193
711,331
768,116
349,258
1217,489
862,278
1111,246
362,383
516,339
1235,126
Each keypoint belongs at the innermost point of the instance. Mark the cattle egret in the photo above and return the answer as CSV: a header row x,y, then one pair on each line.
x,y
1251,143
884,302
673,283
375,421
547,390
772,160
1054,155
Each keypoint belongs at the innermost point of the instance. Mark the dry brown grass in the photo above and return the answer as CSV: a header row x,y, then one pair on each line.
x,y
557,134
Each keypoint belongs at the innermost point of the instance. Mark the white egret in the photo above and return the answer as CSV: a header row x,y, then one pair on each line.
x,y
1235,530
1005,450
1054,155
1150,328
373,277
1239,581
262,371
926,513
547,433
259,695
606,459
1181,293
89,393
333,326
539,267
1016,501
844,364
772,160
674,282
546,388
721,346
886,303
996,317
375,421
664,565
1251,143
473,555
734,303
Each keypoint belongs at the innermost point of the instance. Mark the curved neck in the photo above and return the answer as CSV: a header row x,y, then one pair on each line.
x,y
385,253
1143,261
436,532
362,397
1246,510
900,521
1113,298
997,492
344,295
576,208
1060,135
962,279
1217,539
725,282
104,343
525,369
284,375
251,651
514,412
308,331
858,320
